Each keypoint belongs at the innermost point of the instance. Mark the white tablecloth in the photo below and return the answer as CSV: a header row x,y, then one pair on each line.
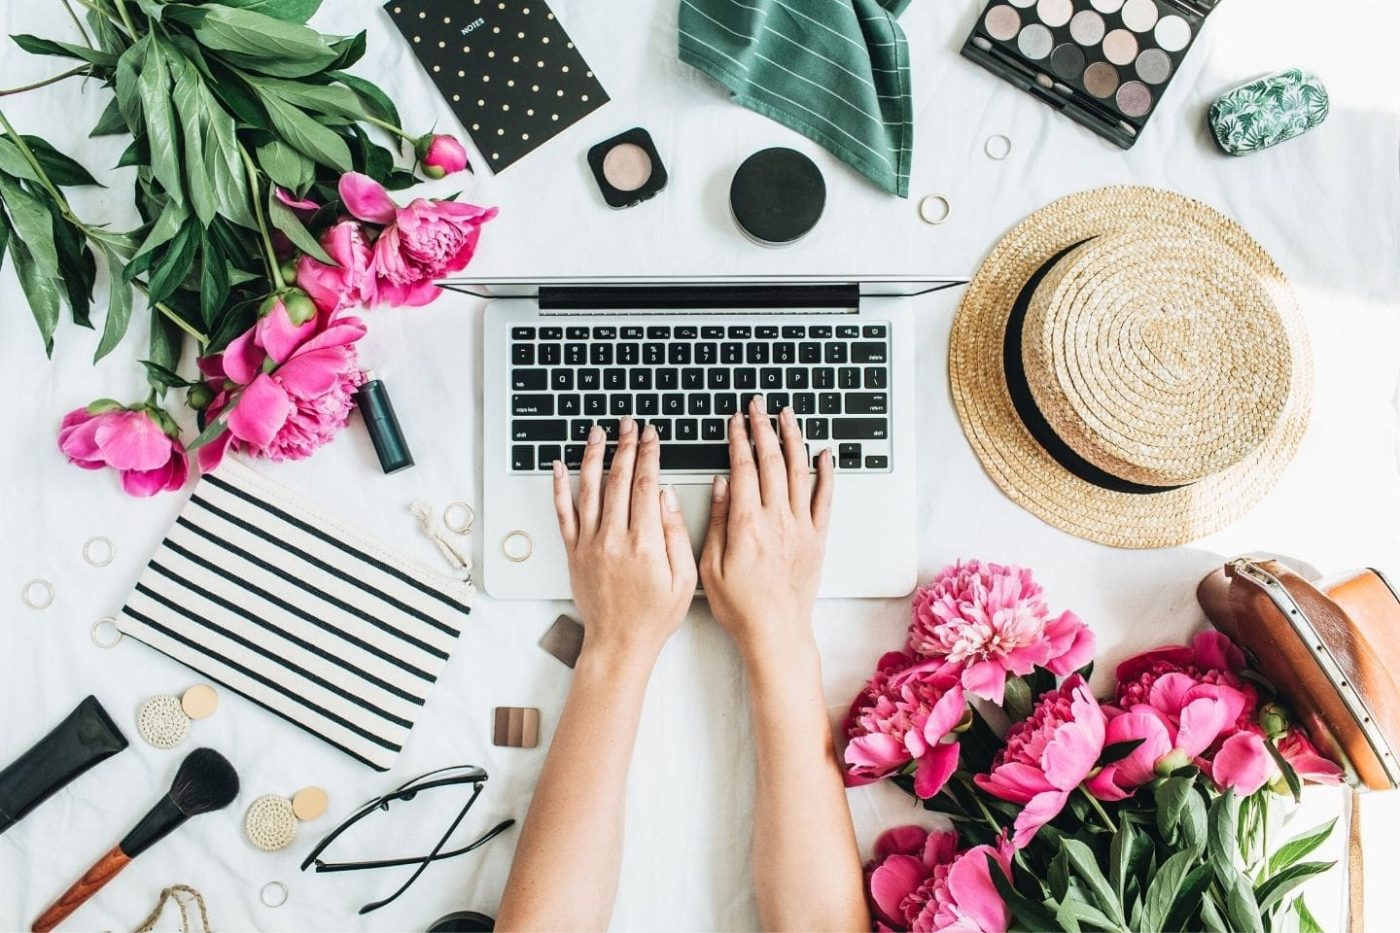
x,y
1327,206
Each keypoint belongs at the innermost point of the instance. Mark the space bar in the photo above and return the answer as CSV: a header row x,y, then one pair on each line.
x,y
694,456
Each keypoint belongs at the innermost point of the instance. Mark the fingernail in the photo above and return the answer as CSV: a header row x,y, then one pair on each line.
x,y
788,414
649,434
760,403
627,426
595,435
721,488
668,495
558,467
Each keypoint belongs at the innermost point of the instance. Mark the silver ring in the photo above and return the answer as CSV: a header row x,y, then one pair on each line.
x,y
935,209
99,541
37,593
273,894
467,513
514,555
1000,150
97,630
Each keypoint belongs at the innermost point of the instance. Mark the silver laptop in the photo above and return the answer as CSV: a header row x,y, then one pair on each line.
x,y
683,355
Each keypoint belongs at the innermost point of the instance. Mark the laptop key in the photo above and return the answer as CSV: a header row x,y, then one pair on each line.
x,y
876,378
589,379
522,457
570,404
550,354
867,403
745,378
777,401
551,333
632,333
578,429
712,332
797,378
712,429
766,332
695,457
877,462
873,330
794,332
699,405
740,332
809,353
726,403
575,354
847,331
692,379
706,353
548,454
522,354
595,404
573,456
576,333
605,333
816,429
529,380
687,429
848,377
804,403
538,430
654,354
824,378
678,354
628,354
860,428
835,353
718,379
532,405
673,404
848,456
756,354
663,430
687,333
829,403
668,378
785,353
869,353
658,333
770,379
614,380
561,380
731,354
609,426
819,331
648,404
600,354
522,333
620,404
639,379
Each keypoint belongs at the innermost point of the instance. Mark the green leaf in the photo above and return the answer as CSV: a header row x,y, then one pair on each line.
x,y
1188,900
1070,914
118,305
375,101
4,236
1193,826
348,51
170,270
155,9
317,98
307,136
1086,866
292,11
1058,876
36,45
213,281
1241,907
129,83
167,341
162,129
285,166
138,153
271,46
211,430
1300,846
34,255
1290,776
1307,923
1210,916
1222,839
218,183
1120,854
1171,796
1017,699
163,377
61,170
286,220
77,266
1031,915
1117,751
1271,893
1162,892
13,162
111,123
169,223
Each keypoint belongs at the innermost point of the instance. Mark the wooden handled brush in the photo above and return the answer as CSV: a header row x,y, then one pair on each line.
x,y
205,781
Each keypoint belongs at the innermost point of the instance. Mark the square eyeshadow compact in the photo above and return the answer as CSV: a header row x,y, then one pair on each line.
x,y
1104,63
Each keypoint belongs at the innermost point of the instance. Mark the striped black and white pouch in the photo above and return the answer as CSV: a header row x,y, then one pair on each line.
x,y
267,594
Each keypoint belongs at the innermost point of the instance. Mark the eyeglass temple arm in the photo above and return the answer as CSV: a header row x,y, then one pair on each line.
x,y
396,862
424,863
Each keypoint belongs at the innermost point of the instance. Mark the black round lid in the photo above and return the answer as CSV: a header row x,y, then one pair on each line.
x,y
777,196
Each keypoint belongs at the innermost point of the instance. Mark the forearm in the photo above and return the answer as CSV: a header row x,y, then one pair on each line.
x,y
570,849
807,870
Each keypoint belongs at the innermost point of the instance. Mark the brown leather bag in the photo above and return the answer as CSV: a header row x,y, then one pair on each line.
x,y
1332,650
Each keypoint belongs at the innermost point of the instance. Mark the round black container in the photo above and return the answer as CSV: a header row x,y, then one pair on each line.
x,y
777,196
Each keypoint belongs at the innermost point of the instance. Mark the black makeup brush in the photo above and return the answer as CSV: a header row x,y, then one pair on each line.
x,y
205,781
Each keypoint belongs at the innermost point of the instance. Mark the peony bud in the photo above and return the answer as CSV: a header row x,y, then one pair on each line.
x,y
1274,720
103,405
1172,761
288,270
199,396
441,155
300,307
269,304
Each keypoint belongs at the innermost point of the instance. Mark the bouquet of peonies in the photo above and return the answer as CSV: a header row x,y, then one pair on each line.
x,y
266,222
1144,811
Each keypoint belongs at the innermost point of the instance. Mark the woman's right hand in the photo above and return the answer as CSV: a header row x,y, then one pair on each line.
x,y
762,559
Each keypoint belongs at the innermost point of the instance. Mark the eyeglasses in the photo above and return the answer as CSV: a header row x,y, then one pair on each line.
x,y
455,776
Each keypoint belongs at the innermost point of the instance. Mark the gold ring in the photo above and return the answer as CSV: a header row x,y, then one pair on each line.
x,y
97,630
934,209
467,514
514,555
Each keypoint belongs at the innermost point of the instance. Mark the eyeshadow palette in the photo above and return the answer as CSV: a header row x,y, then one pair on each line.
x,y
1104,63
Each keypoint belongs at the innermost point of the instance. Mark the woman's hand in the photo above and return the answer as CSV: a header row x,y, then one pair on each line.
x,y
630,562
763,554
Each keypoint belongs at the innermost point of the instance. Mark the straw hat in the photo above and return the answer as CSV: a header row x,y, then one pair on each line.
x,y
1131,366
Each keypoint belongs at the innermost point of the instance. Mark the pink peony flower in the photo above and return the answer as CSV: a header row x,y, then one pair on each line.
x,y
147,453
347,284
918,881
441,155
291,386
1310,763
1181,720
1047,756
991,622
1211,658
906,714
1244,763
419,243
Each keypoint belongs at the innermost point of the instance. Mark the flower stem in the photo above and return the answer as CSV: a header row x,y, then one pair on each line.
x,y
33,161
101,11
178,321
81,69
386,125
1098,808
126,18
82,30
274,270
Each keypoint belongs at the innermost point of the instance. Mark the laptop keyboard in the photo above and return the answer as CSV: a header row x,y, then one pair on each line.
x,y
687,377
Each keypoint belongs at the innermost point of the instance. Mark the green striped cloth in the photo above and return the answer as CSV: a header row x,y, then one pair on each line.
x,y
836,71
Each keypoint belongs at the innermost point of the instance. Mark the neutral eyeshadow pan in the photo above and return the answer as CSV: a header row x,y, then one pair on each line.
x,y
1154,66
1101,79
1086,28
627,167
1134,99
1003,23
1054,12
1107,6
1139,15
1067,60
1173,33
1035,42
1120,47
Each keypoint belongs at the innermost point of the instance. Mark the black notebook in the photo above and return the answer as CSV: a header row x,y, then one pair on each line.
x,y
507,67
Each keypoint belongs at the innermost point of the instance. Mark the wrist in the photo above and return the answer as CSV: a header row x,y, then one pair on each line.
x,y
619,660
775,661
